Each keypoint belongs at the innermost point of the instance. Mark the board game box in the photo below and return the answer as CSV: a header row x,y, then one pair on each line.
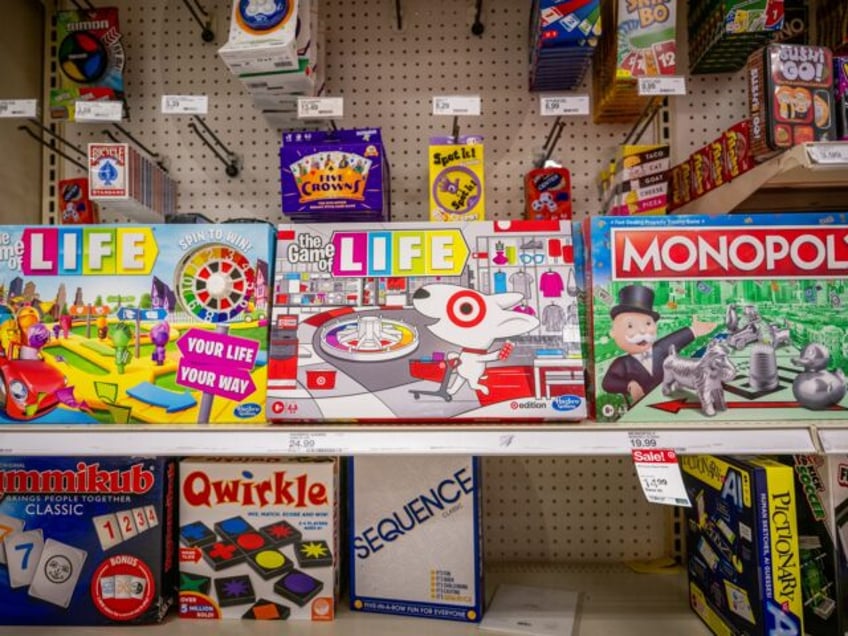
x,y
134,324
472,320
86,541
415,539
259,538
742,539
698,318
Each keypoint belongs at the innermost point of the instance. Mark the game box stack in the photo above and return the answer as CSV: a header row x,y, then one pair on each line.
x,y
723,34
87,541
563,37
263,37
742,539
698,318
832,25
134,324
259,538
426,321
415,539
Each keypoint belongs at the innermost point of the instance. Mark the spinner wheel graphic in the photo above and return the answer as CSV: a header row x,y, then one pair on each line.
x,y
261,16
368,338
215,283
83,57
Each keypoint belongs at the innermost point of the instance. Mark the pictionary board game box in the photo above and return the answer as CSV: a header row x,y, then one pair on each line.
x,y
134,324
86,541
259,538
821,491
697,318
742,539
415,539
469,320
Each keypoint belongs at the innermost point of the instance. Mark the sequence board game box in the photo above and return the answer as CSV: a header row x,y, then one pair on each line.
x,y
134,324
821,491
425,321
725,317
86,541
742,540
259,538
415,539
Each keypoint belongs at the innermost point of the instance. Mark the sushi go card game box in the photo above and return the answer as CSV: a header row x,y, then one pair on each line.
x,y
742,539
415,539
86,541
472,320
697,318
259,538
134,324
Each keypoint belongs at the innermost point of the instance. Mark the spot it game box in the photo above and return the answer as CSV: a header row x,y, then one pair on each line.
x,y
469,320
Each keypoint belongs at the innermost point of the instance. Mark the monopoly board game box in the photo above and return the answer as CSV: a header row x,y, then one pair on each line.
x,y
259,538
86,541
421,321
415,539
742,540
698,318
134,324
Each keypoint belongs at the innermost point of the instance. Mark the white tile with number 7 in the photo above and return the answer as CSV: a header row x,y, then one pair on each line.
x,y
23,551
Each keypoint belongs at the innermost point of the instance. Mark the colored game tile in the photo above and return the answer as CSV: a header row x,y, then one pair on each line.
x,y
222,554
233,527
281,533
234,590
196,535
313,554
269,563
252,541
195,583
298,587
265,610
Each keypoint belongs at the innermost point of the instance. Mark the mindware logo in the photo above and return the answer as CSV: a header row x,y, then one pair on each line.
x,y
83,479
278,490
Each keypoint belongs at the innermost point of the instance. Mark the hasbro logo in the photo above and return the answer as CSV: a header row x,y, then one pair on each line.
x,y
566,402
244,411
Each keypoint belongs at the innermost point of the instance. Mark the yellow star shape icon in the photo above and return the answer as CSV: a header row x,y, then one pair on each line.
x,y
313,550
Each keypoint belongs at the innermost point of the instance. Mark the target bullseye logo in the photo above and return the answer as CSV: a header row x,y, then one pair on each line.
x,y
466,308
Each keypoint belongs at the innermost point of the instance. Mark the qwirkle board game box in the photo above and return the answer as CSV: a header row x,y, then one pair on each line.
x,y
742,539
134,324
425,321
259,538
415,539
698,318
86,541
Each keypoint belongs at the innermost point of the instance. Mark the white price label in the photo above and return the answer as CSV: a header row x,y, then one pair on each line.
x,y
301,443
185,104
665,85
18,108
98,111
659,475
563,105
320,107
828,153
456,105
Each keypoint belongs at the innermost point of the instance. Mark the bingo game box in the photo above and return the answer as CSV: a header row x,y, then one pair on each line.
x,y
698,318
425,321
742,540
86,541
134,324
415,539
259,538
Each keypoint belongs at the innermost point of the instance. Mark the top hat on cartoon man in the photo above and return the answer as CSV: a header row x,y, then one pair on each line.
x,y
635,299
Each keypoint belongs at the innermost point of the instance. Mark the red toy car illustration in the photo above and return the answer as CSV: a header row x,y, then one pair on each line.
x,y
28,388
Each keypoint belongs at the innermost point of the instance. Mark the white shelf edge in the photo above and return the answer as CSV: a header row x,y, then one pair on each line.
x,y
833,438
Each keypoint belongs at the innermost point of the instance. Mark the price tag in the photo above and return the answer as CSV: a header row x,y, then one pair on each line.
x,y
320,107
828,154
18,108
565,105
660,476
665,85
456,105
98,111
185,104
301,443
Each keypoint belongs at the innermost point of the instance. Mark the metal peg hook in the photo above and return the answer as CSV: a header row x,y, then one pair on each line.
x,y
455,129
477,28
153,155
398,15
196,10
52,148
88,6
55,136
228,159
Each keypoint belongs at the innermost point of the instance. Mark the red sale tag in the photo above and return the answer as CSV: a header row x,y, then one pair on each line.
x,y
660,476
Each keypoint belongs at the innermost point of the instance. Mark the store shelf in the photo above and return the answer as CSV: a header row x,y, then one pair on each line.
x,y
809,167
833,438
533,439
614,600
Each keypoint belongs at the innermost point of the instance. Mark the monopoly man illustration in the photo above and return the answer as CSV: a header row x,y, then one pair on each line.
x,y
634,330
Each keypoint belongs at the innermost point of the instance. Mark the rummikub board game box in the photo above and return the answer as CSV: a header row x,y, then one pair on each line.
x,y
418,320
86,541
259,538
